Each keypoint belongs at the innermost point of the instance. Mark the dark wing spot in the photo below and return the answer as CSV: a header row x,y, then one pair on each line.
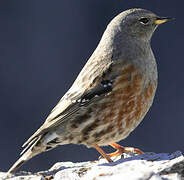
x,y
102,89
48,148
74,126
53,142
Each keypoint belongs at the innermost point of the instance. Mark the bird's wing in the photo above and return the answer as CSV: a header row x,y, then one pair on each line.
x,y
72,103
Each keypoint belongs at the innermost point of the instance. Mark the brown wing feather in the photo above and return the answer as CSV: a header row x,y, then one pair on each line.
x,y
70,104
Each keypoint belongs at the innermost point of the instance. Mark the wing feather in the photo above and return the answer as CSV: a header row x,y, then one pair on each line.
x,y
69,106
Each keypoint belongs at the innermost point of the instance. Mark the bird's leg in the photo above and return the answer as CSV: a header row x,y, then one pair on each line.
x,y
121,150
101,151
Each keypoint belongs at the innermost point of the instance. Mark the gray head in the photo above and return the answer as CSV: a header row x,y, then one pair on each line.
x,y
139,23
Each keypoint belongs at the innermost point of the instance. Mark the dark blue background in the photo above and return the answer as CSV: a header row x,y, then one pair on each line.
x,y
44,45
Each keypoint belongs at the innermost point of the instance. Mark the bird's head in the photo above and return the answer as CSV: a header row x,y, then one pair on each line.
x,y
139,23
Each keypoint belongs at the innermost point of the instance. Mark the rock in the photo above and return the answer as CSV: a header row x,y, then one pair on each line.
x,y
163,166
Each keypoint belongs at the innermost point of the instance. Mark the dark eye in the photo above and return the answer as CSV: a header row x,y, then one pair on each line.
x,y
144,20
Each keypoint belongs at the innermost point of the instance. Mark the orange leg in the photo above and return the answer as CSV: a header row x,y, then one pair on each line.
x,y
121,149
100,150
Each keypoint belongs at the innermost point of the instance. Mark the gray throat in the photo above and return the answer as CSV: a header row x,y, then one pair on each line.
x,y
118,45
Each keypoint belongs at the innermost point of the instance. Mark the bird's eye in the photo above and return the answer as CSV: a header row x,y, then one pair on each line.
x,y
144,20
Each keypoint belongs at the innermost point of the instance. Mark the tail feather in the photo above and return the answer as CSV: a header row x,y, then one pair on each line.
x,y
35,145
33,137
18,164
28,145
29,152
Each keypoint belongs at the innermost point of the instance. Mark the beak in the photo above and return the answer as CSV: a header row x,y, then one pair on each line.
x,y
161,20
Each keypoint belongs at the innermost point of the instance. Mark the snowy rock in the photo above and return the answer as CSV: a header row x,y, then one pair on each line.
x,y
163,166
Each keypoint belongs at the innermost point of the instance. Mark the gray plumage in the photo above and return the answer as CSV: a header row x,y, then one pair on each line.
x,y
126,40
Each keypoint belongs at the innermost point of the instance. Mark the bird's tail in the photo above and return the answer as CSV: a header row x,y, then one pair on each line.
x,y
32,149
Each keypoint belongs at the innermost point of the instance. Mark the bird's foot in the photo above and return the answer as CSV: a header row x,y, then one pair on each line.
x,y
103,154
120,150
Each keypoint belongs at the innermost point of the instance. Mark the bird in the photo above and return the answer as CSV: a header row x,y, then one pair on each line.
x,y
110,96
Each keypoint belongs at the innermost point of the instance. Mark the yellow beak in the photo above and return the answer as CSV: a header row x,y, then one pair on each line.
x,y
161,20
